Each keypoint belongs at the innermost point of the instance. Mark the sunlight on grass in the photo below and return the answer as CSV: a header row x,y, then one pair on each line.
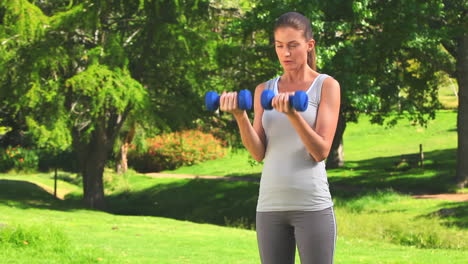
x,y
168,220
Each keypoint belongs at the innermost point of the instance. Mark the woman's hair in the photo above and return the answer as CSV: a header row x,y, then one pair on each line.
x,y
299,22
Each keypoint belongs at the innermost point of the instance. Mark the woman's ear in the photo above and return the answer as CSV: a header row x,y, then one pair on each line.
x,y
310,45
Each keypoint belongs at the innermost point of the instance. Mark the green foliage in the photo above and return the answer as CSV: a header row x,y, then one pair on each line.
x,y
4,129
65,83
117,182
92,65
63,160
384,65
21,21
173,150
100,91
18,158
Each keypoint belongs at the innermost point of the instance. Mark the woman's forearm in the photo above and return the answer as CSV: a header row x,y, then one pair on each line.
x,y
250,138
317,146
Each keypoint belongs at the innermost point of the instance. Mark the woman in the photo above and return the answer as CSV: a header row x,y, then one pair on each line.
x,y
294,205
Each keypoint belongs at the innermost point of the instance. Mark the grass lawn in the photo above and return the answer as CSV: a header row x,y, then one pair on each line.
x,y
373,157
448,94
44,230
153,220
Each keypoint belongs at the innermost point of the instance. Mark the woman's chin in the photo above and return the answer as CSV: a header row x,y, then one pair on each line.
x,y
290,67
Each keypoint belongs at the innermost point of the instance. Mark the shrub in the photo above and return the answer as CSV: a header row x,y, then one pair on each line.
x,y
173,150
18,158
63,160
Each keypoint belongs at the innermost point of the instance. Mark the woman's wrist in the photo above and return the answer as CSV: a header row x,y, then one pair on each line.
x,y
293,114
240,115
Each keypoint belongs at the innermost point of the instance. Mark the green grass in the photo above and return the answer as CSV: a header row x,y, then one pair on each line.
x,y
237,163
362,141
64,234
155,220
447,95
66,183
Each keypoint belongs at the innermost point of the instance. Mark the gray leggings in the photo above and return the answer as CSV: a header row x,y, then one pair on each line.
x,y
313,231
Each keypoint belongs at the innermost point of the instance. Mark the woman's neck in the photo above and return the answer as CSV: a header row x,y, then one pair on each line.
x,y
300,75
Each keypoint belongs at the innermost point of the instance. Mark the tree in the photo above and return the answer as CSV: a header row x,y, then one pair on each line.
x,y
452,25
385,54
407,52
71,82
76,74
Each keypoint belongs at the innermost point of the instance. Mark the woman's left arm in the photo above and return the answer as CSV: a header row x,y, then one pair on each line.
x,y
318,141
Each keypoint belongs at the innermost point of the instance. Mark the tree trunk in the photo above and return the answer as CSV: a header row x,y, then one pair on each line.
x,y
462,121
124,149
336,157
93,156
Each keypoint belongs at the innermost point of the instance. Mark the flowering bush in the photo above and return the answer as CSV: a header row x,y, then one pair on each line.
x,y
18,158
173,150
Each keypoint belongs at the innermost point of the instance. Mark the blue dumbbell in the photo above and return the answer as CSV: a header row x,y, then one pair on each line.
x,y
244,100
299,101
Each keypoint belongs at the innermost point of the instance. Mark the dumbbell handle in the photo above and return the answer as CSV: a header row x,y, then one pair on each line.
x,y
298,101
244,100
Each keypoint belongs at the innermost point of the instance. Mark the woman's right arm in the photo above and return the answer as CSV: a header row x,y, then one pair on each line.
x,y
253,137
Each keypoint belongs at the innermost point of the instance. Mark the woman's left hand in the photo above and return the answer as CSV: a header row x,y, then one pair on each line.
x,y
281,103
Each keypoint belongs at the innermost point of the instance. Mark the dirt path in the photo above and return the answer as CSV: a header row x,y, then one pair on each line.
x,y
60,194
457,197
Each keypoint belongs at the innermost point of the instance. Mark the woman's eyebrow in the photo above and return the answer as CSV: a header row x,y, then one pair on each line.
x,y
292,41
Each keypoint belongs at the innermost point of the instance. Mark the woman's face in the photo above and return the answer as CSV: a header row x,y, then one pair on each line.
x,y
291,47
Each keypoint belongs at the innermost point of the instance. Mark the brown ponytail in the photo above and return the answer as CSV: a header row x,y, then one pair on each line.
x,y
299,22
312,59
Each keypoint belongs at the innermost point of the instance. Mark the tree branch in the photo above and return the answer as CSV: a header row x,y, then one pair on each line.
x,y
131,37
451,49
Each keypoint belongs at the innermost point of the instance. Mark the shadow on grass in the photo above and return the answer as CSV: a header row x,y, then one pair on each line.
x,y
67,178
437,176
199,200
24,195
249,176
234,202
453,214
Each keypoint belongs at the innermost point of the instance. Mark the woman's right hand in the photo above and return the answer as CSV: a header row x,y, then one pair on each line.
x,y
228,103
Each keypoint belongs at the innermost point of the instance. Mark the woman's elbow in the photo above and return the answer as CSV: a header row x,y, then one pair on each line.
x,y
319,157
259,158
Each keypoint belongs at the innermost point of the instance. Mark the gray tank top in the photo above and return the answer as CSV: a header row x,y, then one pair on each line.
x,y
291,180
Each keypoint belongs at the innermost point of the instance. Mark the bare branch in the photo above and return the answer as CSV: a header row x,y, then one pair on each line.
x,y
10,38
131,37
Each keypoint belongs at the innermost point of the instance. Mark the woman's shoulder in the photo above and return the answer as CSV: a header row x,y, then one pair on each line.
x,y
330,88
265,85
330,81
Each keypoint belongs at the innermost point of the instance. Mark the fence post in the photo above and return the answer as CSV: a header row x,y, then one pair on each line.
x,y
421,156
